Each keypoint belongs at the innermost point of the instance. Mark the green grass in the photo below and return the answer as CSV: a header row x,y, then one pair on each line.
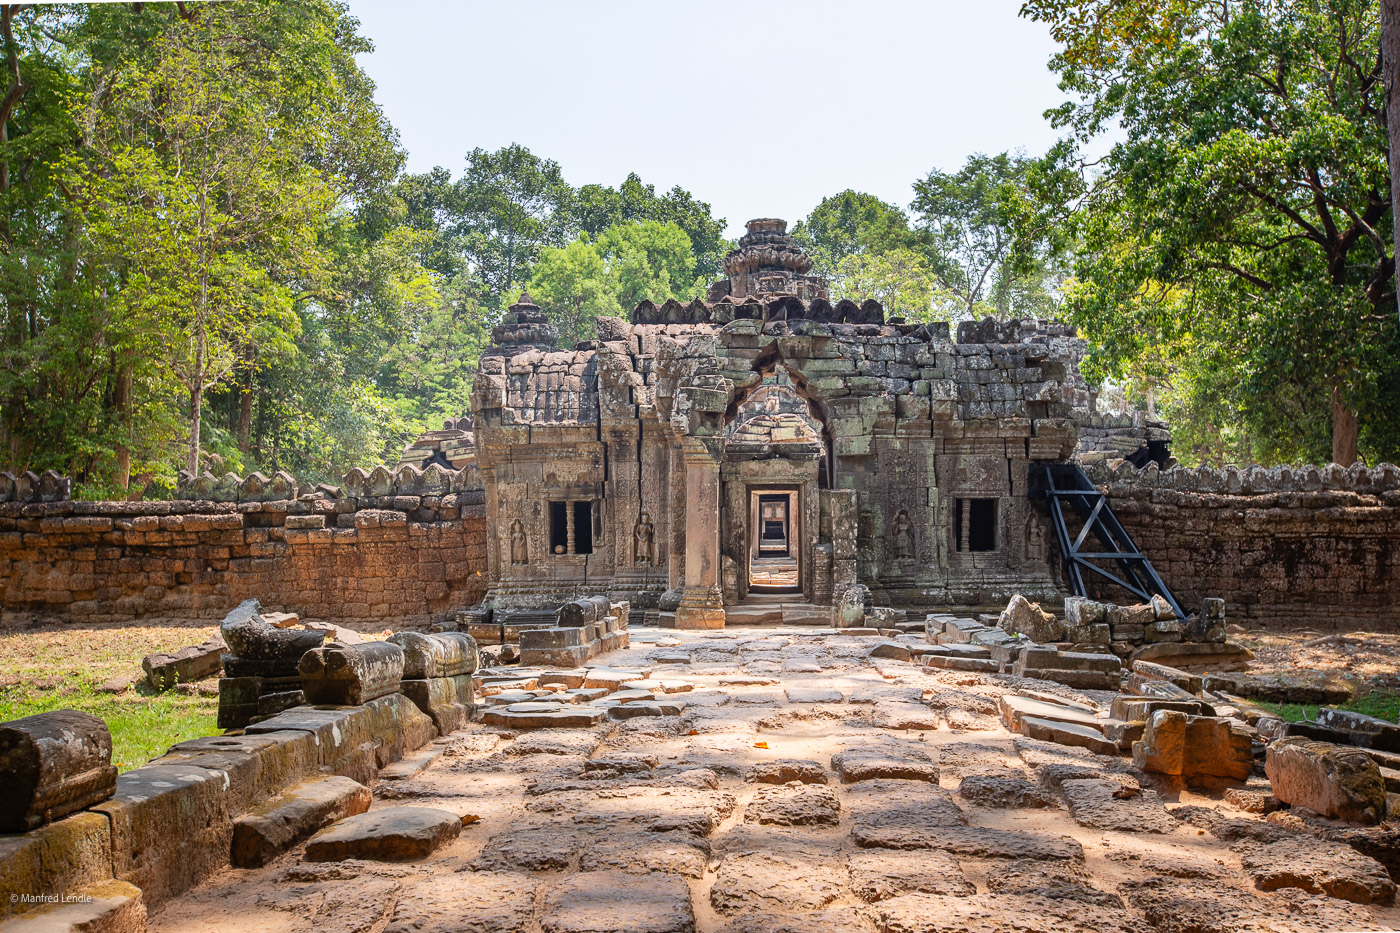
x,y
61,667
1381,705
142,726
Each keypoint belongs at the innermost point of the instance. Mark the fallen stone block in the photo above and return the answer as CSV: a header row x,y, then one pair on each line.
x,y
1079,680
53,764
1014,708
187,665
1252,801
280,823
1041,657
1198,749
583,611
1195,656
1154,689
1064,733
1023,617
1331,780
1366,731
1082,611
448,701
1140,709
645,708
1191,683
959,662
1281,689
264,650
395,834
892,650
446,654
350,675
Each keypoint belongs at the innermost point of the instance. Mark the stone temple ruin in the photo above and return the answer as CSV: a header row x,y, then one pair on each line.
x,y
688,453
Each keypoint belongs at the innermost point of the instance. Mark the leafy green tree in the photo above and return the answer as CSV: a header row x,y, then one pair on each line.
x,y
969,232
900,279
649,260
1240,224
508,206
597,207
573,283
627,263
849,224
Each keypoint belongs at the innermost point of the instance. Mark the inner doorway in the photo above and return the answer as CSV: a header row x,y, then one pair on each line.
x,y
773,551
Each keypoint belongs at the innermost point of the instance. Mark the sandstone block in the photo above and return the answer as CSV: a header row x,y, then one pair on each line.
x,y
187,665
66,855
249,638
109,907
618,902
52,764
1162,748
396,834
446,654
1082,611
171,828
448,701
1191,683
1023,617
1333,780
280,823
349,675
885,760
1319,867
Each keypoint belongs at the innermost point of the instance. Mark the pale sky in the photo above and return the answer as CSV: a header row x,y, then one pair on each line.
x,y
760,108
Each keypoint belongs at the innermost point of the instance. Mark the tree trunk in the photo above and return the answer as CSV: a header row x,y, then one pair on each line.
x,y
196,413
121,402
245,404
1390,70
1344,429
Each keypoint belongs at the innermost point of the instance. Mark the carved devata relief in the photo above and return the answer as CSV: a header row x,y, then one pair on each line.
x,y
519,544
643,541
903,537
1035,541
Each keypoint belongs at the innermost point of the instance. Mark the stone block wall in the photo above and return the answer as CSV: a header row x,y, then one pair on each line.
x,y
1311,546
406,547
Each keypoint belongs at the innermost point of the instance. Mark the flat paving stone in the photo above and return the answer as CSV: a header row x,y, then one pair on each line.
x,y
877,875
892,759
762,882
900,814
619,902
898,715
786,770
466,902
803,805
394,834
1004,793
1318,867
813,694
1101,804
936,913
670,853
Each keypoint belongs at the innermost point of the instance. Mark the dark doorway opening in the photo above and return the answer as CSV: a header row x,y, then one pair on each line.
x,y
583,527
558,527
975,524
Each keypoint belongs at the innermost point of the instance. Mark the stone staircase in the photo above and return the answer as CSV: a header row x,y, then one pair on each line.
x,y
774,609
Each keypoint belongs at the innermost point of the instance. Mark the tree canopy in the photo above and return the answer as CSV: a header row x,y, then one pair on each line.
x,y
1234,245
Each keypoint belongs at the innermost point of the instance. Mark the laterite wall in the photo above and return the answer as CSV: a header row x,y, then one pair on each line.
x,y
1315,546
407,548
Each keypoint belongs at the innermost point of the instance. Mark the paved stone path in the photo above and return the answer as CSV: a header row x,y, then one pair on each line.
x,y
805,787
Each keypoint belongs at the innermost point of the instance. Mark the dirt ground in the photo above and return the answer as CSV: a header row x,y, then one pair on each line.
x,y
1370,659
666,824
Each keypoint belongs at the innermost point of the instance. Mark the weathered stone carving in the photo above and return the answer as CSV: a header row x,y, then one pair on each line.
x,y
349,675
519,543
53,764
903,537
643,545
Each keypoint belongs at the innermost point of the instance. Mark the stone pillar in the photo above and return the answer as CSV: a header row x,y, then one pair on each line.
x,y
963,545
569,526
702,603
